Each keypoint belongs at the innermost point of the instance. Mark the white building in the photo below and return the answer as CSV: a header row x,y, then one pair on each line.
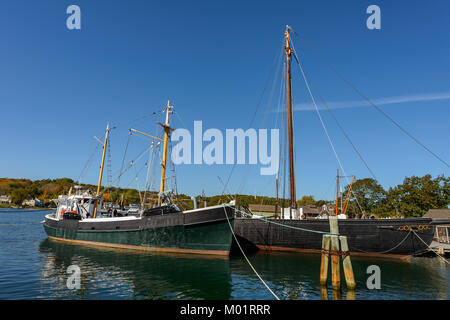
x,y
33,203
5,199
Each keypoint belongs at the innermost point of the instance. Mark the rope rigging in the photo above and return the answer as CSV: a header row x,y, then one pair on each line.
x,y
243,253
374,105
323,124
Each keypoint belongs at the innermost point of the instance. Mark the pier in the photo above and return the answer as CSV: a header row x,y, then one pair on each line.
x,y
440,248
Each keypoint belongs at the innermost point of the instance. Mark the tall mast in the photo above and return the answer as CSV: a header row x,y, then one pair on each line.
x,y
289,51
276,203
337,192
167,129
105,143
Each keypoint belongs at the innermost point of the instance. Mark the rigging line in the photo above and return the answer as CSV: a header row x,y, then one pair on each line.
x,y
140,118
149,167
256,110
88,163
375,106
248,261
445,260
132,162
285,145
138,184
123,159
343,132
225,188
265,114
266,219
321,120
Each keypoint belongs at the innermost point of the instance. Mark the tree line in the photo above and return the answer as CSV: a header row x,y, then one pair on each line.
x,y
413,198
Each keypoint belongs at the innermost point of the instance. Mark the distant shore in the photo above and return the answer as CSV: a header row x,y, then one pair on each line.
x,y
5,205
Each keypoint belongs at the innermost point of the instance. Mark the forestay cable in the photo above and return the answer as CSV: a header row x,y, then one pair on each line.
x,y
375,106
321,121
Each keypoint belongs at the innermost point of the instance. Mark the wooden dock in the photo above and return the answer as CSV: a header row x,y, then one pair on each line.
x,y
440,248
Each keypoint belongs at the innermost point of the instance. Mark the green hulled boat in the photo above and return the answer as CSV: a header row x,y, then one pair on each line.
x,y
163,228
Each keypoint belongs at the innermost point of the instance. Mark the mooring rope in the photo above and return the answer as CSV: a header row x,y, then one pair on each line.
x,y
265,219
329,233
429,248
381,252
248,261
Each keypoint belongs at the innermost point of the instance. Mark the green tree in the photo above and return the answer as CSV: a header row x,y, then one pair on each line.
x,y
306,201
417,195
366,194
18,195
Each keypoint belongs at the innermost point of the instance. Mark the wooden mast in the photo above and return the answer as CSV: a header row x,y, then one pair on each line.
x,y
105,143
167,129
288,52
337,192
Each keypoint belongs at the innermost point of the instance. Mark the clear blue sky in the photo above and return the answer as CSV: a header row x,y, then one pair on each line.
x,y
59,88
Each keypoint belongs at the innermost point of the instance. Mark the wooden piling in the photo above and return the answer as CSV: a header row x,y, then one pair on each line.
x,y
334,228
347,264
336,294
323,293
326,239
334,251
351,295
335,268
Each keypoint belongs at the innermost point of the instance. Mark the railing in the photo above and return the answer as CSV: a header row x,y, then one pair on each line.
x,y
442,234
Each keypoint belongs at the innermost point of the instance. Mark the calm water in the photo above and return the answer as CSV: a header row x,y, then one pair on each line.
x,y
33,267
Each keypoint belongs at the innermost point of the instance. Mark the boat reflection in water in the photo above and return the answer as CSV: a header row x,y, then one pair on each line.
x,y
294,276
127,274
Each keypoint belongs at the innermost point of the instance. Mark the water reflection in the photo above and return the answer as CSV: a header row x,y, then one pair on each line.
x,y
111,274
295,276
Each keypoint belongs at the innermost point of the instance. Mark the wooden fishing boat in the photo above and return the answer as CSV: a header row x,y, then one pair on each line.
x,y
164,228
379,237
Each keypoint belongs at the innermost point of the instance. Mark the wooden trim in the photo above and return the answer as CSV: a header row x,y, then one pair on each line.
x,y
141,248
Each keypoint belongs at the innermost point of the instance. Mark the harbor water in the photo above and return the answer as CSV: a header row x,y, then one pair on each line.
x,y
34,267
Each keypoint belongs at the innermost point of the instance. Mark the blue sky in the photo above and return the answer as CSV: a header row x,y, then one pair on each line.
x,y
59,87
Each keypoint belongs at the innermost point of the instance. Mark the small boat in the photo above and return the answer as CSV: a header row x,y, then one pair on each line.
x,y
165,228
293,233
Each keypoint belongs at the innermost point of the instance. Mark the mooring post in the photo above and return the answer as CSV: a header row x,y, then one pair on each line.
x,y
326,239
347,264
323,293
335,268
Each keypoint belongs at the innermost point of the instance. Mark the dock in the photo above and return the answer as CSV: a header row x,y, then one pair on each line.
x,y
440,247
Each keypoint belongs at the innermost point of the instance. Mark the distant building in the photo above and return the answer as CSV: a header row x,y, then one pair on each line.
x,y
442,232
5,199
33,203
304,211
263,208
438,214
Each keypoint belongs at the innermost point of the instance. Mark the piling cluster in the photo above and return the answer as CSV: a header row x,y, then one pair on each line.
x,y
336,246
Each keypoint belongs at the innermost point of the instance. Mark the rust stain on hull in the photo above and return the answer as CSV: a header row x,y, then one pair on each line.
x,y
269,249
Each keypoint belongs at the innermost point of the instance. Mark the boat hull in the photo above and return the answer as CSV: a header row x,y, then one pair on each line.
x,y
376,237
201,231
